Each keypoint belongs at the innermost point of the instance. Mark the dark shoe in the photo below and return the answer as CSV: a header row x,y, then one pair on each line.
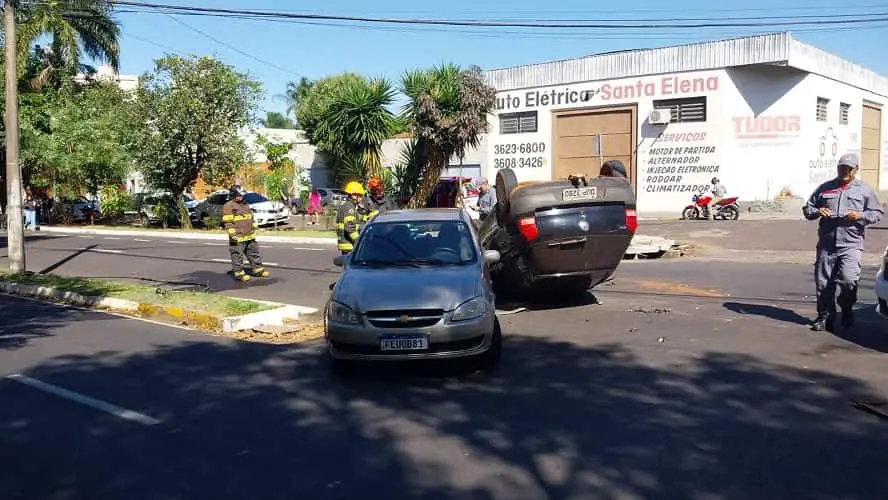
x,y
848,317
823,322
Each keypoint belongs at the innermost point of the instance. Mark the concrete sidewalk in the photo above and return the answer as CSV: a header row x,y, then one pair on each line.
x,y
187,235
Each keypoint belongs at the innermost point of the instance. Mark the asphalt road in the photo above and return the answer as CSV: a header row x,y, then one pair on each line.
x,y
302,273
642,396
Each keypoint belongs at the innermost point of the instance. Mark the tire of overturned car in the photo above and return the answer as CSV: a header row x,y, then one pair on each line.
x,y
506,181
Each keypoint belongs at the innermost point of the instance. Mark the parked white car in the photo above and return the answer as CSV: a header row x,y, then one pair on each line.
x,y
265,211
881,287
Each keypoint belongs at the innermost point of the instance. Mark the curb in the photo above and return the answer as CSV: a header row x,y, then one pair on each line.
x,y
227,324
305,240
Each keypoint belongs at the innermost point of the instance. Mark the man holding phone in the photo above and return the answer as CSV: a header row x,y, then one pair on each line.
x,y
844,206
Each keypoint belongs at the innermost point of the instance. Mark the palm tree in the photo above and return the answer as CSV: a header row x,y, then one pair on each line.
x,y
296,93
87,29
360,121
447,110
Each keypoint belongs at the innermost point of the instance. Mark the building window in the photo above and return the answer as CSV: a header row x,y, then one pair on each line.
x,y
844,110
692,109
518,123
822,107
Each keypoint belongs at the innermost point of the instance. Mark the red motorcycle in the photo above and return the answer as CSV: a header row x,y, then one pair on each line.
x,y
725,209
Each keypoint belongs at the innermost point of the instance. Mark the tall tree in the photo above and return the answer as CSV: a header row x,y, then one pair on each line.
x,y
347,117
448,109
274,119
187,116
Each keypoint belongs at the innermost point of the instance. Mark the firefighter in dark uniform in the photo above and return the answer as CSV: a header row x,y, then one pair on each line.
x,y
349,216
377,202
237,217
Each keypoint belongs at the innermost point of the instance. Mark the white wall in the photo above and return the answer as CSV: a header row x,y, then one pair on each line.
x,y
761,135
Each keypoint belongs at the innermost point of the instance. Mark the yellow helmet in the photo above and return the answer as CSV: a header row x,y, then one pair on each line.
x,y
354,187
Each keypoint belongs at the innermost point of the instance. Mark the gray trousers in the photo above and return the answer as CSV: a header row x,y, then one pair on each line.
x,y
238,251
836,268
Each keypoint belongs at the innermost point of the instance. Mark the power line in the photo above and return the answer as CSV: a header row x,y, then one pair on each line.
x,y
597,24
239,51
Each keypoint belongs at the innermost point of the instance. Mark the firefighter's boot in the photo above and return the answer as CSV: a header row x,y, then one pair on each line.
x,y
242,276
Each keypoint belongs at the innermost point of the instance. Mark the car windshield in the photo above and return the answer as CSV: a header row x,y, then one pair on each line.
x,y
251,198
415,243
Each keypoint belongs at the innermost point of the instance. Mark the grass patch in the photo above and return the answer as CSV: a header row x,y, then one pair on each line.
x,y
217,305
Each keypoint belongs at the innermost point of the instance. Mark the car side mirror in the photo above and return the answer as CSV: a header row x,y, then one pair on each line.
x,y
340,260
491,257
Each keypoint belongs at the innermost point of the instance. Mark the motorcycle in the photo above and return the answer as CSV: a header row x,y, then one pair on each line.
x,y
725,209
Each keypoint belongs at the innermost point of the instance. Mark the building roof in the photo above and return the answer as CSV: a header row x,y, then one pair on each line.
x,y
778,49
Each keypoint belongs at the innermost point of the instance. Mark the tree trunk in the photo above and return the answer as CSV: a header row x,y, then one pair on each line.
x,y
430,177
184,216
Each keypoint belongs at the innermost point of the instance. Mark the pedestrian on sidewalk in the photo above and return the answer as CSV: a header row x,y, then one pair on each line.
x,y
314,206
237,218
844,206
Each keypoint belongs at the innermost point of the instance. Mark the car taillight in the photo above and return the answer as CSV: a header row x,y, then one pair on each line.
x,y
528,228
631,220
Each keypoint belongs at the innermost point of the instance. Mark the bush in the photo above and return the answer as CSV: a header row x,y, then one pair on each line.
x,y
114,203
212,223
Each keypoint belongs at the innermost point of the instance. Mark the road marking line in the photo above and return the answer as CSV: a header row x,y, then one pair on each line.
x,y
143,241
306,248
228,261
87,237
84,400
106,250
110,238
271,264
215,244
222,260
177,242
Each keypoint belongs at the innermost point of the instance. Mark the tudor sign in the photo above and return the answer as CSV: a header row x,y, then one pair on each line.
x,y
766,127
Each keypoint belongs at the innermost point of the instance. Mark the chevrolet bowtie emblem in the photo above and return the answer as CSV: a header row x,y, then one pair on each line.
x,y
404,319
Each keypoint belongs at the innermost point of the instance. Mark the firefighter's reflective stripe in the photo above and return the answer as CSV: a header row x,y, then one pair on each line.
x,y
235,218
371,214
249,237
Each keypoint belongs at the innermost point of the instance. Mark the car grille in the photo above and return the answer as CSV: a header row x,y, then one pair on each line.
x,y
404,318
434,348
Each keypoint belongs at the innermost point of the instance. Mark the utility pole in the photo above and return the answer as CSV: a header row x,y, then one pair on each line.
x,y
15,232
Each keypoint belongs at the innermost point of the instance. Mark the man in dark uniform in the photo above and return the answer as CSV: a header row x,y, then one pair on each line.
x,y
845,206
349,216
377,202
237,217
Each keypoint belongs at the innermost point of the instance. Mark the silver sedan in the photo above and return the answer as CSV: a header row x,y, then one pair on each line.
x,y
416,286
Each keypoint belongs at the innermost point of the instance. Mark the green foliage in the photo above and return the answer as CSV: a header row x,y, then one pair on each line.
x,y
274,119
407,173
114,201
448,110
89,128
187,115
296,93
278,180
347,118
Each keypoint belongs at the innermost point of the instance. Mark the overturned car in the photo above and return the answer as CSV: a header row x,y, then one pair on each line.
x,y
558,237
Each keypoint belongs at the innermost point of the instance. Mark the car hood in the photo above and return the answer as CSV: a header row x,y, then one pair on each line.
x,y
267,205
407,288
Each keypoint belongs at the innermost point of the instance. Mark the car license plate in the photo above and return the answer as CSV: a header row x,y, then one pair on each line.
x,y
583,193
404,343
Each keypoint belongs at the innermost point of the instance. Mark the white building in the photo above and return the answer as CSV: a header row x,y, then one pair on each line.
x,y
764,114
107,73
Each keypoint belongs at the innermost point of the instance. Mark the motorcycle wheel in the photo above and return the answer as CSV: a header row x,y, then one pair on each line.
x,y
689,214
730,213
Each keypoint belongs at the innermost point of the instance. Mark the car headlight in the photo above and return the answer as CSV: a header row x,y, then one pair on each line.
x,y
341,313
470,309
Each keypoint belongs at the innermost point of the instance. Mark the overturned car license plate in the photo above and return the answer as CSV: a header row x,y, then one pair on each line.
x,y
583,193
404,343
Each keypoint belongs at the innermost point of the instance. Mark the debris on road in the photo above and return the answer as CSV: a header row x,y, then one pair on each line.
x,y
293,332
507,312
651,310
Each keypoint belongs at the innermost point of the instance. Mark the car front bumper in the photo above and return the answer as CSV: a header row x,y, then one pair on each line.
x,y
266,219
445,340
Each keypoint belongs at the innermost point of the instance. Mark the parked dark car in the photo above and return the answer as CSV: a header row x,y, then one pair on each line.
x,y
558,237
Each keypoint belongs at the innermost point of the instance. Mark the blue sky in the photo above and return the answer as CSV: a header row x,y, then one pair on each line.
x,y
277,52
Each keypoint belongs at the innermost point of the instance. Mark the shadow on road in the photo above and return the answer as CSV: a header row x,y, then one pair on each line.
x,y
869,332
41,320
772,312
558,421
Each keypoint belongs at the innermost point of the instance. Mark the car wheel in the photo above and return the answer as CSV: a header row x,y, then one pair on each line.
x,y
689,213
491,358
506,181
143,221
